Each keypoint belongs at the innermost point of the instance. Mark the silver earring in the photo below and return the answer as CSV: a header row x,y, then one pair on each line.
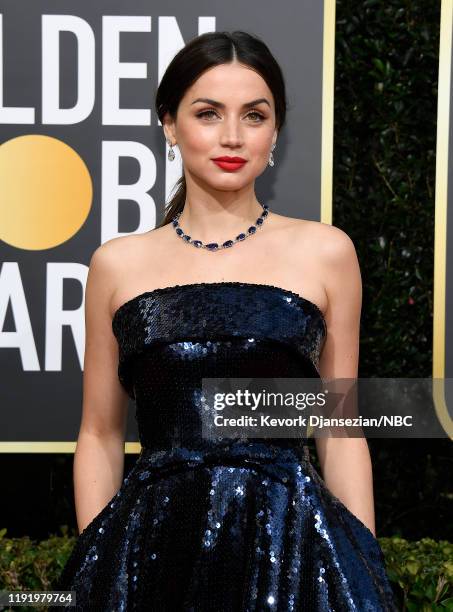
x,y
271,157
171,153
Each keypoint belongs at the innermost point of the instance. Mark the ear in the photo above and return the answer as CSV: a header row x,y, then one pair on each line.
x,y
168,125
274,137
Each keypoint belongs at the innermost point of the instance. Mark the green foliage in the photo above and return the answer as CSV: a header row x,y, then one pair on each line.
x,y
385,128
421,572
386,71
29,565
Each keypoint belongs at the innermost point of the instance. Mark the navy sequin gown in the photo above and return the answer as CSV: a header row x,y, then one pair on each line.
x,y
231,526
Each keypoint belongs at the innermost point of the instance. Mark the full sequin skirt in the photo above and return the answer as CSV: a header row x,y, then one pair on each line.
x,y
249,528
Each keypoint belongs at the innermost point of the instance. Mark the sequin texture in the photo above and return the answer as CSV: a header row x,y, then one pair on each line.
x,y
228,525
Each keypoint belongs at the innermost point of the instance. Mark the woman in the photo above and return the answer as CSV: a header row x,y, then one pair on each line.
x,y
206,523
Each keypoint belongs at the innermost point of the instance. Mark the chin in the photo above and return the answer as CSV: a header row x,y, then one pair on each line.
x,y
226,183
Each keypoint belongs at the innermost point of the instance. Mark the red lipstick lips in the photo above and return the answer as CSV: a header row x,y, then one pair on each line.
x,y
229,163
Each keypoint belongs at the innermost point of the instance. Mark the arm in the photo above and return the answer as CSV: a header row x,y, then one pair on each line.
x,y
345,462
99,455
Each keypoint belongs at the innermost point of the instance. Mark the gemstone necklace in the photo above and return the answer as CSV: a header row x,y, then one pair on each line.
x,y
214,246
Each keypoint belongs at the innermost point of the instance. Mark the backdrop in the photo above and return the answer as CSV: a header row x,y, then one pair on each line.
x,y
83,159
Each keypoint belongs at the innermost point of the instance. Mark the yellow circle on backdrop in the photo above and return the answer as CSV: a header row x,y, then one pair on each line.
x,y
46,192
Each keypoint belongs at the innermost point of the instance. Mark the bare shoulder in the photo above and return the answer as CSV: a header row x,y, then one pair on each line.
x,y
330,243
121,252
337,244
337,257
117,260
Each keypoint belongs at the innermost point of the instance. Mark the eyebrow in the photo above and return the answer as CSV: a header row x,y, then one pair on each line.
x,y
221,105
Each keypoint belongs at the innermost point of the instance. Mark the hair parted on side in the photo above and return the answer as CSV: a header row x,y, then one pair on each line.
x,y
204,52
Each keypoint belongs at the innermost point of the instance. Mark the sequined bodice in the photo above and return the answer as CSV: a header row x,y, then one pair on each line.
x,y
170,338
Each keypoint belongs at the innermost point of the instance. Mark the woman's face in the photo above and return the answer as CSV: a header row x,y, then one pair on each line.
x,y
215,119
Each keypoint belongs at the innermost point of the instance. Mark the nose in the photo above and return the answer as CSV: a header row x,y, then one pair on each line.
x,y
231,133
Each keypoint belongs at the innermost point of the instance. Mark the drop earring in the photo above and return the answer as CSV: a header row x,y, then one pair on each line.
x,y
271,157
171,153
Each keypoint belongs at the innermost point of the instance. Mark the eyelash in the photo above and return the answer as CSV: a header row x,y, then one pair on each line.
x,y
207,112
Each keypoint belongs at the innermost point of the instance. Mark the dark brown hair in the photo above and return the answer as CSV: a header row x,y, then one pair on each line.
x,y
204,52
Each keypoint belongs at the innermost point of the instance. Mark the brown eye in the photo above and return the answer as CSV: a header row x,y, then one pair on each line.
x,y
210,113
258,115
206,113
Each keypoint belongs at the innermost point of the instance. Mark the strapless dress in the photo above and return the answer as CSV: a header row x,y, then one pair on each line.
x,y
221,525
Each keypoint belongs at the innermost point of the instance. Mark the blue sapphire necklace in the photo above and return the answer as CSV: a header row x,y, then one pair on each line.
x,y
214,246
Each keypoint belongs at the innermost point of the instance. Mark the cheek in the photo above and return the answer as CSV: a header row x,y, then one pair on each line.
x,y
197,140
260,158
260,143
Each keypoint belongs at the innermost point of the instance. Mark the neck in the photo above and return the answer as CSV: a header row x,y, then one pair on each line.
x,y
220,217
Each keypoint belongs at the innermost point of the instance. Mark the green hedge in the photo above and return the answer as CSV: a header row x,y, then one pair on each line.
x,y
385,122
421,573
384,164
